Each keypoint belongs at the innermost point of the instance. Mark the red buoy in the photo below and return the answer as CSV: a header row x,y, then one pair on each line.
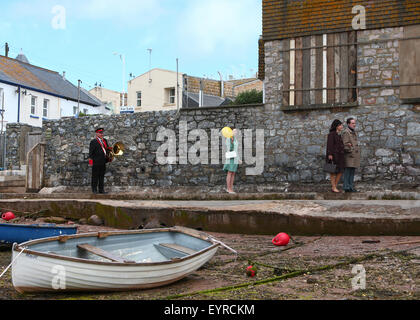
x,y
282,239
8,216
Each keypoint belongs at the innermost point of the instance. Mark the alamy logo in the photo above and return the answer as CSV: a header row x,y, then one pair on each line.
x,y
59,279
59,19
198,153
359,20
359,281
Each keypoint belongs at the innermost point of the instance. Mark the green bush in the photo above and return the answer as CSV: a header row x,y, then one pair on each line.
x,y
249,97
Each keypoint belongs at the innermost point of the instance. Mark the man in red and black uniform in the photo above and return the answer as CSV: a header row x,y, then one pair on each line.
x,y
97,159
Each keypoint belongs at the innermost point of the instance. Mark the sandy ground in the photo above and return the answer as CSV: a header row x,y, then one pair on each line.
x,y
392,273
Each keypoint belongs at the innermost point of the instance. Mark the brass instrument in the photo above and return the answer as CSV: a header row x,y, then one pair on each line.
x,y
116,151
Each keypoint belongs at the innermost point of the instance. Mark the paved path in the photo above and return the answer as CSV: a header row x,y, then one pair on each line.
x,y
308,217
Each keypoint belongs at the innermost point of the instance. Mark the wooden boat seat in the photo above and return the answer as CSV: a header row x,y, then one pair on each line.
x,y
102,253
178,247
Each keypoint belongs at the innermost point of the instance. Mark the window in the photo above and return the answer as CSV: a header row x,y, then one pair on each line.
x,y
319,70
74,110
45,109
138,98
33,105
410,64
172,95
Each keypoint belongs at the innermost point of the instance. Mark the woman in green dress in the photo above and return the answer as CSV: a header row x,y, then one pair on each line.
x,y
231,165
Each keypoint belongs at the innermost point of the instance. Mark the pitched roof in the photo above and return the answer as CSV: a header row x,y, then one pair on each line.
x,y
192,100
16,72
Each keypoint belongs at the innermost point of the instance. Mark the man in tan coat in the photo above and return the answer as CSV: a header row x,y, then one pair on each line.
x,y
351,155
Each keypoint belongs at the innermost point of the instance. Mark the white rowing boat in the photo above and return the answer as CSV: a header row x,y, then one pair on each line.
x,y
110,261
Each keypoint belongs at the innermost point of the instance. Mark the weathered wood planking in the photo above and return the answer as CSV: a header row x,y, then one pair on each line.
x,y
286,72
330,68
319,69
337,41
306,70
409,64
352,54
35,168
298,72
102,253
344,67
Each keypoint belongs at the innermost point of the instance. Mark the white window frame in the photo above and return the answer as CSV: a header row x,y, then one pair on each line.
x,y
172,97
45,108
138,99
34,100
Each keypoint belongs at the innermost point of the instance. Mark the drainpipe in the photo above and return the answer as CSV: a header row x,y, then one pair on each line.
x,y
200,95
222,85
18,111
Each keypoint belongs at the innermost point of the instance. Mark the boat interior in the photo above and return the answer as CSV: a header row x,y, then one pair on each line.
x,y
150,247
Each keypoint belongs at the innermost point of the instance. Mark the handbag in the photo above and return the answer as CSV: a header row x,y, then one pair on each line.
x,y
231,154
330,167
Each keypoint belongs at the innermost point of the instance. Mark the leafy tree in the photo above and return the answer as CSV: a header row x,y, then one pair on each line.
x,y
249,97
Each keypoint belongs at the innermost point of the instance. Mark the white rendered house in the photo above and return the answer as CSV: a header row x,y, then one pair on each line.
x,y
30,94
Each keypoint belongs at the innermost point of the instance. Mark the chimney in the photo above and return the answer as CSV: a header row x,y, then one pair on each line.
x,y
64,75
6,49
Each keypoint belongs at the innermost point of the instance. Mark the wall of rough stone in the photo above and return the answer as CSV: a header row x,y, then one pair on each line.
x,y
389,130
294,146
16,144
294,141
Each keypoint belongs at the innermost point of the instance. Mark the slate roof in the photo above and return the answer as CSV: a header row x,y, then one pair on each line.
x,y
16,72
208,100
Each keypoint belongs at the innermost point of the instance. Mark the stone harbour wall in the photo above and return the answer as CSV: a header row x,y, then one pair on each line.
x,y
294,146
294,141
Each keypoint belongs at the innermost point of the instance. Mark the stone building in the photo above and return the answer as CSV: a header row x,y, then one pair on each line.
x,y
322,60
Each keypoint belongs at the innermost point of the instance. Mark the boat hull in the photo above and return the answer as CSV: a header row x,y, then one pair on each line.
x,y
46,273
11,233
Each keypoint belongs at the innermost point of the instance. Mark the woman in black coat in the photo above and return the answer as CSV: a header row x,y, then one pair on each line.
x,y
335,152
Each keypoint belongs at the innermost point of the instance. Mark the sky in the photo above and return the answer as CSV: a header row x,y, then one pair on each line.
x,y
86,38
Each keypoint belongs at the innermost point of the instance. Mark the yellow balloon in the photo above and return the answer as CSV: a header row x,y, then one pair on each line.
x,y
227,132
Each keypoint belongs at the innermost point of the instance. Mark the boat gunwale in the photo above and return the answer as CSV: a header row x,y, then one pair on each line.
x,y
35,226
21,246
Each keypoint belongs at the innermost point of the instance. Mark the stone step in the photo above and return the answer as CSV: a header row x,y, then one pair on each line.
x,y
12,181
13,189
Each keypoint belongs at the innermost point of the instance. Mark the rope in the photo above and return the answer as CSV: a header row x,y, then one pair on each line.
x,y
7,268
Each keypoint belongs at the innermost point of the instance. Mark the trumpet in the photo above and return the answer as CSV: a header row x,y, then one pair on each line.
x,y
116,151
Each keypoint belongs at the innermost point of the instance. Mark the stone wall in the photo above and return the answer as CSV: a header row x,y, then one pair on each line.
x,y
294,141
17,144
389,130
378,63
294,146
